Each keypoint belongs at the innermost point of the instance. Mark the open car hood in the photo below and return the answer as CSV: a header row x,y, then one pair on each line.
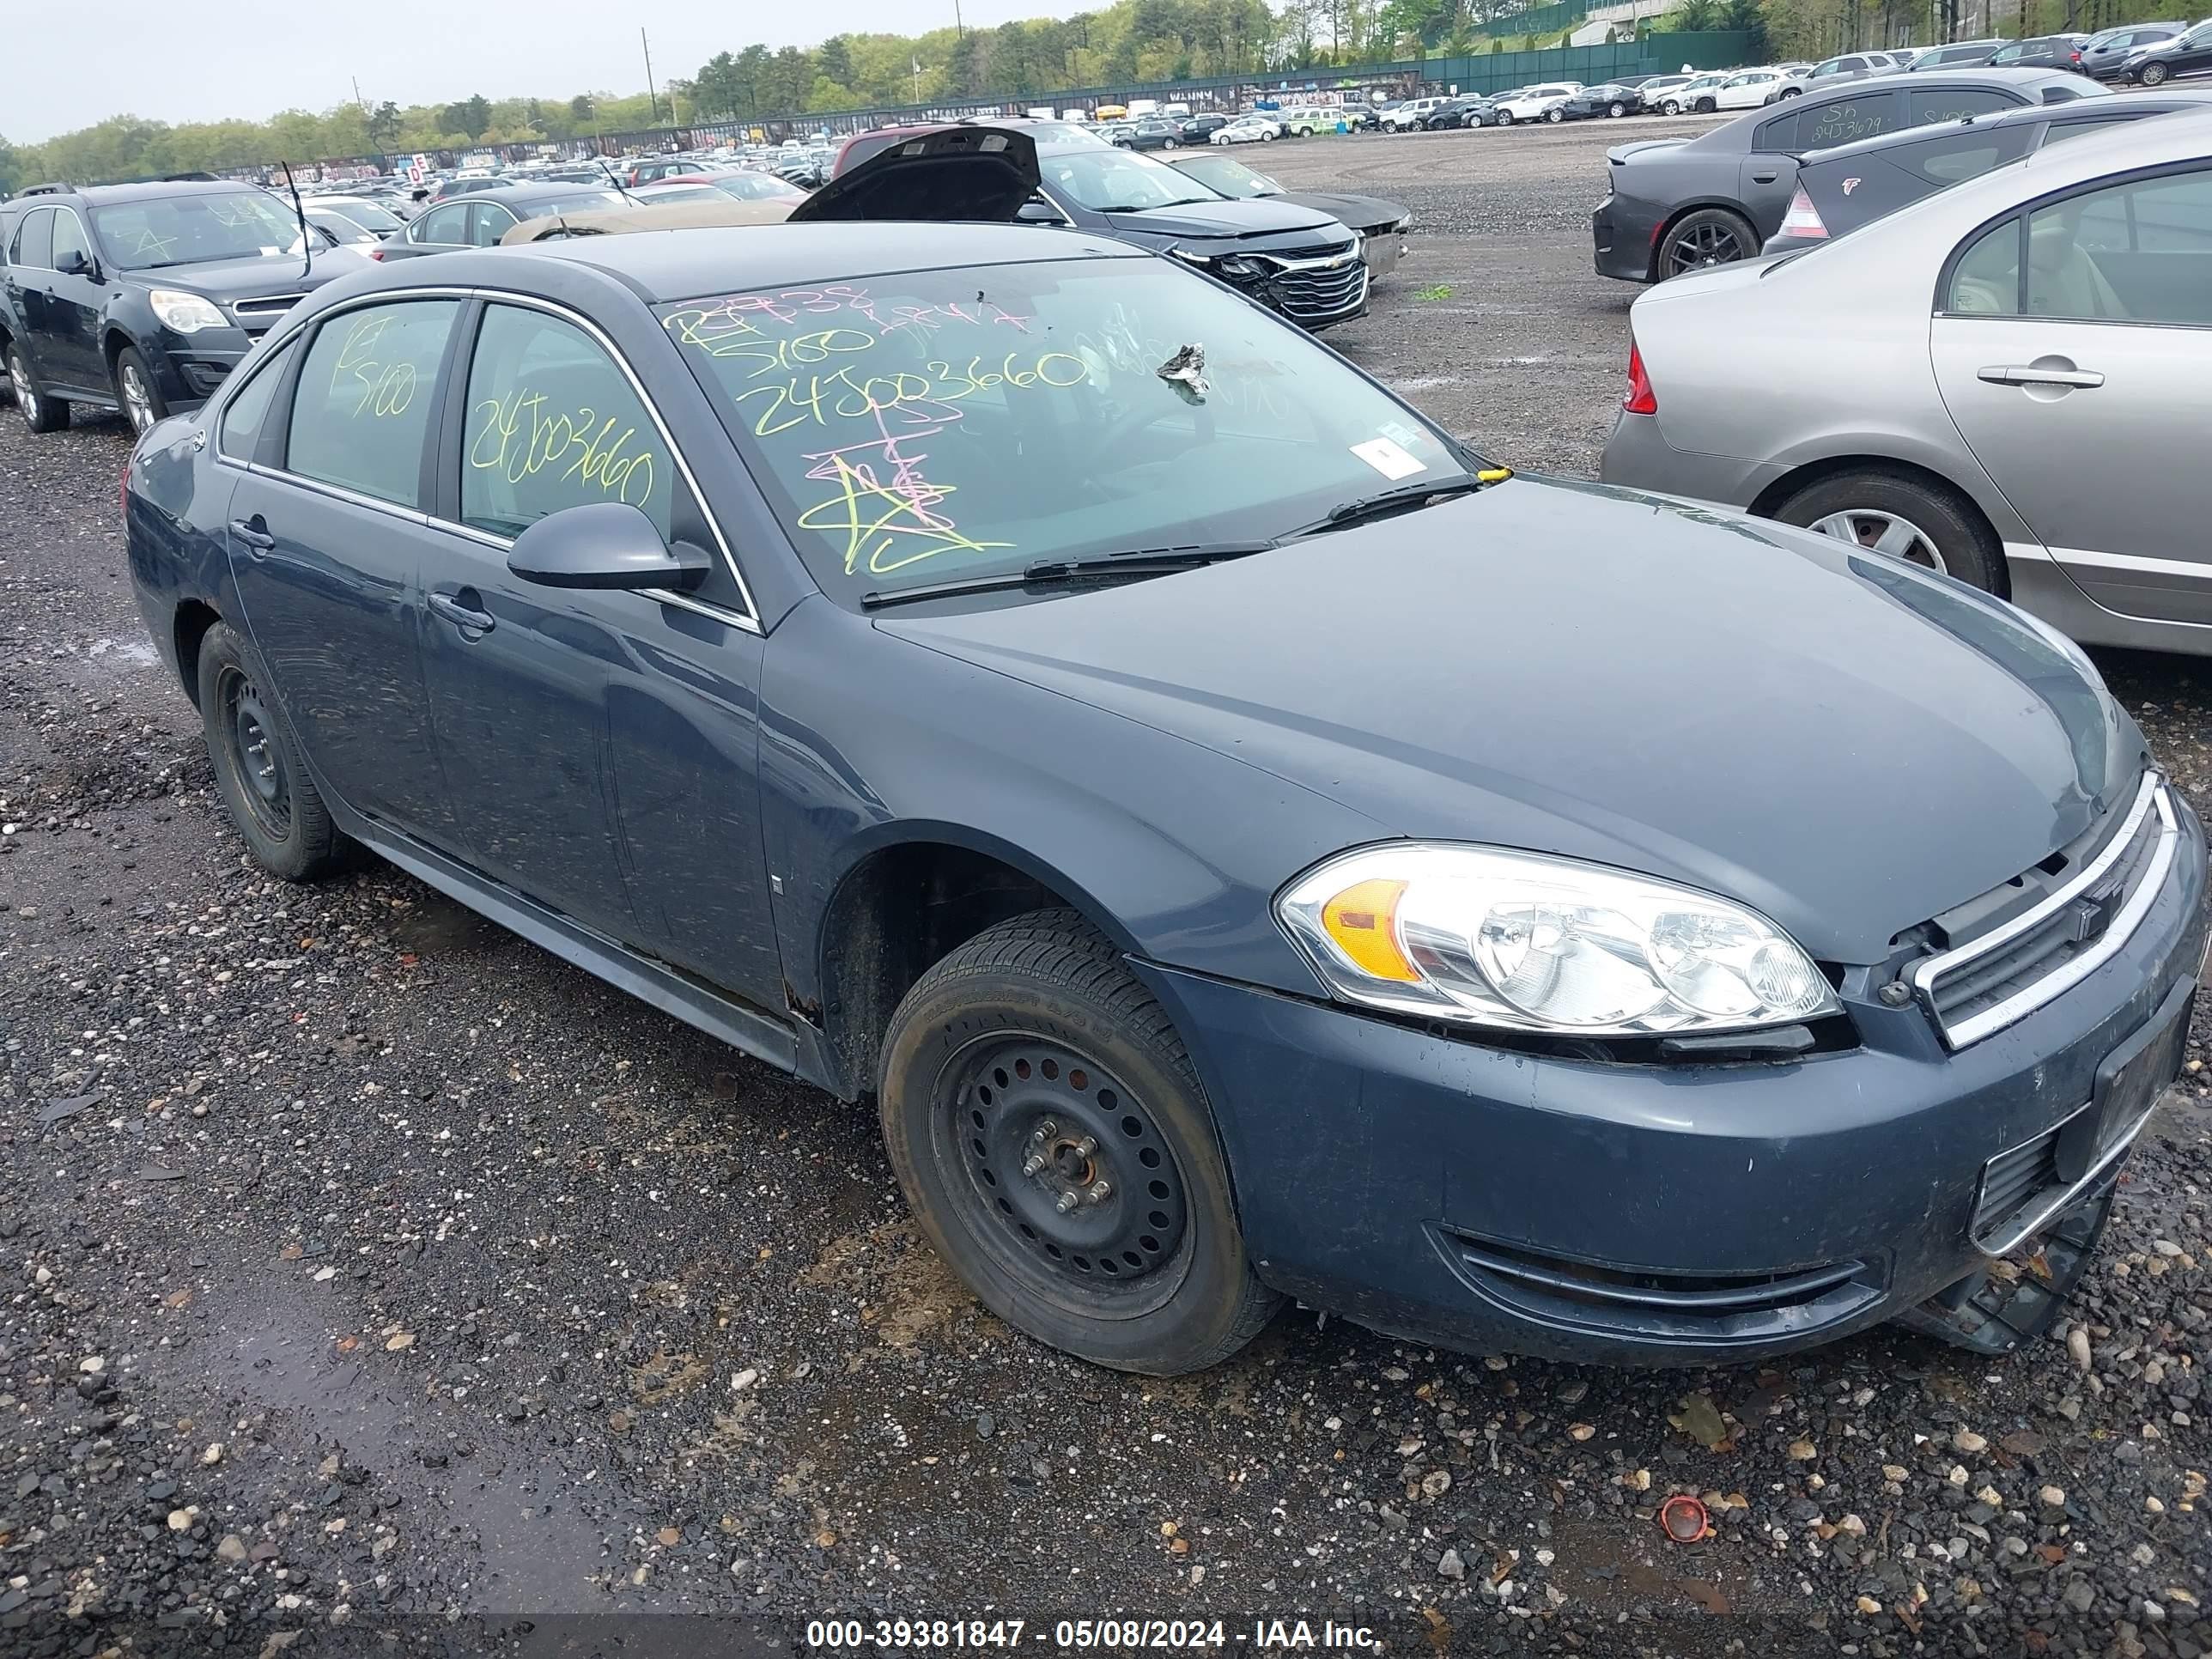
x,y
965,172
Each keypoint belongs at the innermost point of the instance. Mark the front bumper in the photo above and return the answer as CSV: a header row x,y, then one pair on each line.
x,y
1441,1190
189,367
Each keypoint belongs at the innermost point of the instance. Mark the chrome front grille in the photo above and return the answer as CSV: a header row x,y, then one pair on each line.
x,y
1318,293
1984,984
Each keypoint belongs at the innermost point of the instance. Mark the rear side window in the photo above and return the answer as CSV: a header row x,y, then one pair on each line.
x,y
1955,104
1985,282
1845,120
553,423
1962,155
34,241
245,416
366,395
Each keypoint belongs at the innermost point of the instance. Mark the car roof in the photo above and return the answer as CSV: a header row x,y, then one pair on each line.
x,y
687,264
146,189
2178,100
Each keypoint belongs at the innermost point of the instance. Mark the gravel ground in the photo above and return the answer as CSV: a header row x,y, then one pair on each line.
x,y
380,1279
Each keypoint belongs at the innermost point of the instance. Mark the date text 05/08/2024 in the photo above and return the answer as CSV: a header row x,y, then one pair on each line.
x,y
1261,1635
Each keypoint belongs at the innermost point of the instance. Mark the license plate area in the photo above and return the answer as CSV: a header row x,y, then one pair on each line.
x,y
2129,1082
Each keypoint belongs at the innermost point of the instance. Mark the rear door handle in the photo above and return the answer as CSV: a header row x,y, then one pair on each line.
x,y
253,534
2015,375
471,621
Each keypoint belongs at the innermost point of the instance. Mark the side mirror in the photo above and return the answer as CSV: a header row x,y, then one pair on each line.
x,y
1035,212
602,544
75,263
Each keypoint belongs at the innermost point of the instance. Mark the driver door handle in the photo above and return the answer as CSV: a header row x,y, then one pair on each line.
x,y
253,534
467,617
2015,375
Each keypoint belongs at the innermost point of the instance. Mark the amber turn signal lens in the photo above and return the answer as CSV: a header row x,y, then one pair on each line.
x,y
1363,920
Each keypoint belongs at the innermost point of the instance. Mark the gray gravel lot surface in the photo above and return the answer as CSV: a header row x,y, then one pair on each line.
x,y
375,1273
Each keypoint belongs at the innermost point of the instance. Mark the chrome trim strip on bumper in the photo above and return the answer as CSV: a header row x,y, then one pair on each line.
x,y
2064,1198
2150,796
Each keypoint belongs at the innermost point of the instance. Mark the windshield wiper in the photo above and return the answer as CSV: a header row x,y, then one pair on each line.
x,y
1146,206
1403,499
1130,561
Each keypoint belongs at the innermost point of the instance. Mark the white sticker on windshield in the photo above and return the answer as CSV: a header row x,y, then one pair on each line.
x,y
1390,458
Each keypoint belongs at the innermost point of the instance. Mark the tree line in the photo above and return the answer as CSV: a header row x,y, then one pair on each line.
x,y
1130,40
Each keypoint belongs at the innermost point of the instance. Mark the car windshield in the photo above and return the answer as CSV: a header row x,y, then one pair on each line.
x,y
943,425
367,215
186,230
1231,179
1108,180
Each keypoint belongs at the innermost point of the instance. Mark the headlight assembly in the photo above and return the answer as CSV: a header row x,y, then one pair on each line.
x,y
187,313
1526,942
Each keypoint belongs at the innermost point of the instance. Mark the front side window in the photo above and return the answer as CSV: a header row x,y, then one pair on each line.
x,y
247,415
367,393
941,425
487,222
69,238
186,230
553,423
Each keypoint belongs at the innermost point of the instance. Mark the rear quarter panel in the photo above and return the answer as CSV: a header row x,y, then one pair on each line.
x,y
176,503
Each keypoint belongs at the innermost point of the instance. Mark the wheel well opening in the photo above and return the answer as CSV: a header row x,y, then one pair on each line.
x,y
112,347
193,620
900,912
1771,498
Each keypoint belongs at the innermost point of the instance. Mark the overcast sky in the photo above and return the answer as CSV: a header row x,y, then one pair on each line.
x,y
253,57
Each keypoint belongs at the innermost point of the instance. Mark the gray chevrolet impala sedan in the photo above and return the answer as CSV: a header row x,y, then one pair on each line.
x,y
1245,844
2008,381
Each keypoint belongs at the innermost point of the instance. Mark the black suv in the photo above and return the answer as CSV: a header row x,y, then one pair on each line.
x,y
142,297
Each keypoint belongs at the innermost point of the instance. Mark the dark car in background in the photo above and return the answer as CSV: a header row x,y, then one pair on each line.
x,y
1200,128
1609,100
1460,111
1300,262
480,221
965,764
142,298
1676,205
1147,134
1840,190
2041,52
2158,62
1382,224
2105,51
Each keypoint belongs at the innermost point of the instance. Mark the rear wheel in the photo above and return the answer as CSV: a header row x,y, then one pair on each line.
x,y
40,413
1706,106
1049,1130
1904,515
1616,111
1670,106
258,770
1170,144
1711,236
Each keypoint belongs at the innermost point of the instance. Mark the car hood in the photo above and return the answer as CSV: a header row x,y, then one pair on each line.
x,y
249,278
1223,220
1359,211
1844,742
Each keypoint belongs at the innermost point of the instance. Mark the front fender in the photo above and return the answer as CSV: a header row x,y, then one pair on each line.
x,y
868,740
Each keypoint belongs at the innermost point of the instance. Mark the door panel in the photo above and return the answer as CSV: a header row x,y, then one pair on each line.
x,y
330,582
2093,469
73,307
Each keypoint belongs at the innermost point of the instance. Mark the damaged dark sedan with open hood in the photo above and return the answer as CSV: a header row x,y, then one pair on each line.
x,y
1245,844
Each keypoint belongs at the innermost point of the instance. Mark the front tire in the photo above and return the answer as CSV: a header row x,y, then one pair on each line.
x,y
138,390
1904,515
1555,116
2154,75
1505,118
1170,144
1707,106
1670,106
1049,1130
258,770
41,412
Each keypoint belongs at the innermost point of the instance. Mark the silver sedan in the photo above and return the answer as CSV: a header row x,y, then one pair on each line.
x,y
2009,381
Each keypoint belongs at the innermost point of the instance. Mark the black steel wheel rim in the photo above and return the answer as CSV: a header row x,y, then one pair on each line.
x,y
263,783
1710,243
1074,1189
